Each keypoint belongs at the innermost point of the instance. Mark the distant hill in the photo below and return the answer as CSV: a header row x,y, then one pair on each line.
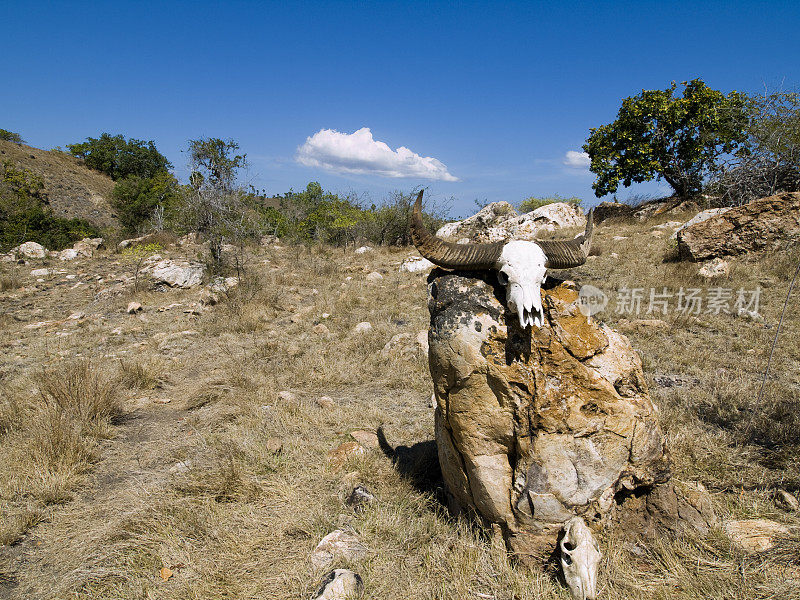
x,y
73,191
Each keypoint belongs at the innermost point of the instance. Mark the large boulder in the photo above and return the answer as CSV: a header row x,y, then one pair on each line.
x,y
499,221
31,250
176,273
536,426
768,223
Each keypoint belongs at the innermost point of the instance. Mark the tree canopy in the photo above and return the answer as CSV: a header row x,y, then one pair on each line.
x,y
118,158
658,135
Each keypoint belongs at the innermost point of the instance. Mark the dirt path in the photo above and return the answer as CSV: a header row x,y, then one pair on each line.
x,y
57,555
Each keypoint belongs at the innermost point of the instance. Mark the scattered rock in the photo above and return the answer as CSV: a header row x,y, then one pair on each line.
x,y
422,341
133,308
764,224
337,544
374,276
221,285
499,221
325,402
287,396
181,467
68,254
31,250
368,439
363,327
786,501
340,584
321,330
415,264
273,445
703,215
344,452
87,246
394,344
359,498
130,243
754,535
714,268
363,250
209,298
182,274
40,273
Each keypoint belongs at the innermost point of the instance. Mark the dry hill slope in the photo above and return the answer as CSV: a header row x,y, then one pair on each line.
x,y
73,190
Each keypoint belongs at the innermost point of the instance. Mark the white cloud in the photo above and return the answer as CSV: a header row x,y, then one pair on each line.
x,y
358,152
577,160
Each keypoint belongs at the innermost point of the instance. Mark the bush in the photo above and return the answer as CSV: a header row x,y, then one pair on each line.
x,y
136,198
10,136
533,202
769,161
118,158
25,216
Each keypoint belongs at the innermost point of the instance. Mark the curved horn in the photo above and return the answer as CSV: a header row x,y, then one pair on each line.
x,y
566,254
447,254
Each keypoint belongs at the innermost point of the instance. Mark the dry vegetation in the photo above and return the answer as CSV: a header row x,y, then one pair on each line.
x,y
136,442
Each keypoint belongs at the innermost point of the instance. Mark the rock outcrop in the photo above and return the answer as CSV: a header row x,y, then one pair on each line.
x,y
499,221
764,224
536,426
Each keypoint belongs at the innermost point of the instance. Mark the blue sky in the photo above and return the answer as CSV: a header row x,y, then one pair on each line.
x,y
487,97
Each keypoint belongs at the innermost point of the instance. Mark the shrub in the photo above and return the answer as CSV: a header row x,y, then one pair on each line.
x,y
769,160
25,216
10,136
532,203
136,198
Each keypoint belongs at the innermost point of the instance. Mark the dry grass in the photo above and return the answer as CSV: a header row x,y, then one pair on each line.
x,y
256,492
50,438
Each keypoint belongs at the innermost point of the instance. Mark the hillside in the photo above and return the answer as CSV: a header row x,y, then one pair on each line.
x,y
72,190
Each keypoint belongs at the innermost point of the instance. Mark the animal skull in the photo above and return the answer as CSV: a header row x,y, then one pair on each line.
x,y
521,269
580,556
521,266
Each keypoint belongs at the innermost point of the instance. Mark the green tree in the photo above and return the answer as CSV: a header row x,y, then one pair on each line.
x,y
10,136
136,198
657,135
215,160
118,158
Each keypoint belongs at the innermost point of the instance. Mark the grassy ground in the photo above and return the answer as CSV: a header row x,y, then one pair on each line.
x,y
137,442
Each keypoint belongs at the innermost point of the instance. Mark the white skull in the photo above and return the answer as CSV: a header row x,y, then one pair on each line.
x,y
580,556
521,270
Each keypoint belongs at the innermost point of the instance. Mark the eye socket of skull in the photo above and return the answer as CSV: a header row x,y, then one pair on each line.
x,y
502,277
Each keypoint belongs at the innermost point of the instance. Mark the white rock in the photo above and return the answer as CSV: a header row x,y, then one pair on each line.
x,y
374,276
499,222
422,340
40,272
363,327
7,257
703,215
754,535
415,264
338,543
68,254
619,238
133,308
339,584
32,250
286,396
363,249
714,268
182,274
